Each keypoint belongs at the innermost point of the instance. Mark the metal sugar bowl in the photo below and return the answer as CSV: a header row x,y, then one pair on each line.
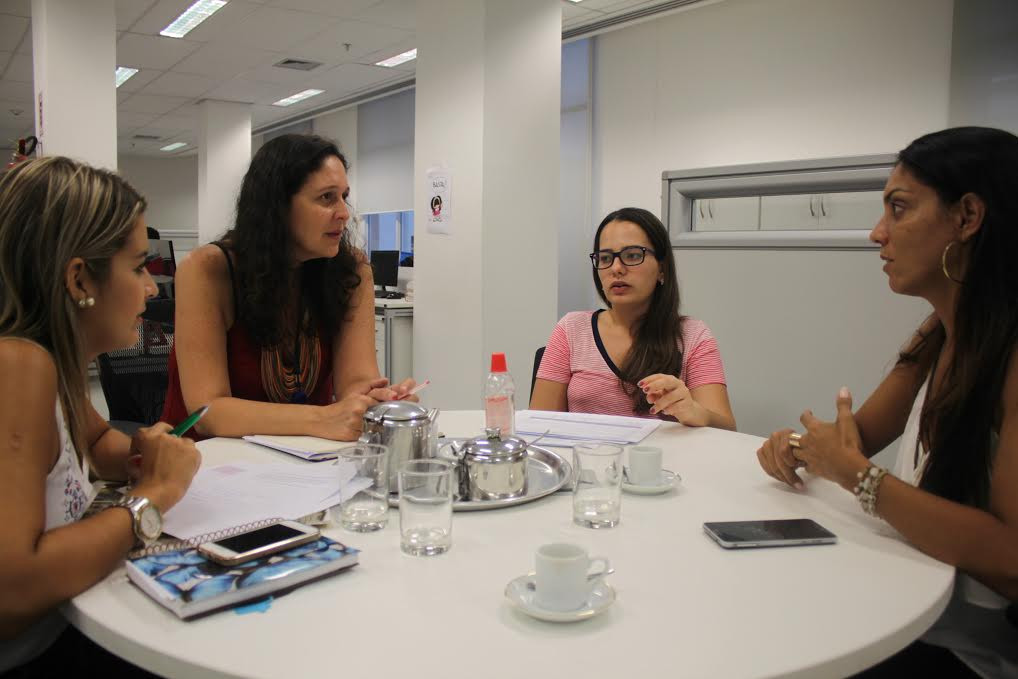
x,y
407,429
490,467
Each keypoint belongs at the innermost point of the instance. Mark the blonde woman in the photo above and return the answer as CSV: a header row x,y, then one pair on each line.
x,y
72,285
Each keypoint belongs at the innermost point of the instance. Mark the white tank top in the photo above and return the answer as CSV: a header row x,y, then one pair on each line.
x,y
973,625
68,494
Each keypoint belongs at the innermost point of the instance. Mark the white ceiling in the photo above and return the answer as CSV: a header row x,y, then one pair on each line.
x,y
231,55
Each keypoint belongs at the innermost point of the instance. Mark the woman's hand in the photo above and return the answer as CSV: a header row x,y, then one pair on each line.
x,y
167,465
380,390
403,388
833,450
669,395
776,458
344,419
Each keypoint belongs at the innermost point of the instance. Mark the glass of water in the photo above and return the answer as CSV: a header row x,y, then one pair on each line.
x,y
597,489
364,504
425,507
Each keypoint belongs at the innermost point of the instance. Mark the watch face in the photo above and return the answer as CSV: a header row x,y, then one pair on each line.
x,y
151,523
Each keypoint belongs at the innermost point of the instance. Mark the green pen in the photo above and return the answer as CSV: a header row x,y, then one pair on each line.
x,y
189,422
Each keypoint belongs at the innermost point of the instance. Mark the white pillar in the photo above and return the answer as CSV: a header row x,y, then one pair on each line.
x,y
224,153
74,61
487,110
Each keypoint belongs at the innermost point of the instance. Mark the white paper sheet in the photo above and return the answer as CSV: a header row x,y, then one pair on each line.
x,y
242,492
568,429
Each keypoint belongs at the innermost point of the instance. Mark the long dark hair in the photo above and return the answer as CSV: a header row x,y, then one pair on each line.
x,y
957,420
261,242
656,344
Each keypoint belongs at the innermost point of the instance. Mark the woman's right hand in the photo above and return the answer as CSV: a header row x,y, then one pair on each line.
x,y
344,419
776,458
168,463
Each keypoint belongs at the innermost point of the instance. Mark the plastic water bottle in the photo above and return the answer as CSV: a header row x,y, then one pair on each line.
x,y
499,397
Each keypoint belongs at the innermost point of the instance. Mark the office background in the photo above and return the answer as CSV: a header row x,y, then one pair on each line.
x,y
714,83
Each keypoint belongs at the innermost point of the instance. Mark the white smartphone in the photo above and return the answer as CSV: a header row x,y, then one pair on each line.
x,y
774,533
259,542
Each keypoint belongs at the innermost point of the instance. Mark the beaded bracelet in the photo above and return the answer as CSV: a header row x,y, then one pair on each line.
x,y
868,486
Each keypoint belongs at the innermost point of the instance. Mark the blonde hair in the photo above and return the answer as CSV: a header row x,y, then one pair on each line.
x,y
52,210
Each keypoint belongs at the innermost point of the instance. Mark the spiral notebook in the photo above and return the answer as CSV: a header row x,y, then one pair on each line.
x,y
178,577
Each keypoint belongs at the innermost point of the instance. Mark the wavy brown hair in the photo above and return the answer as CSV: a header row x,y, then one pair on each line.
x,y
657,343
52,210
959,418
261,243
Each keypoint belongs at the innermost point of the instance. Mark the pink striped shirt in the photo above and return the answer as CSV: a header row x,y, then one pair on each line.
x,y
575,356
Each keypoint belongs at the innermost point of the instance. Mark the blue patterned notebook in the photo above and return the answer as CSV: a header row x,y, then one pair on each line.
x,y
189,584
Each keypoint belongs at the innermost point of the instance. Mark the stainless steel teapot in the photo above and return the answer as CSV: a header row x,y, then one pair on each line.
x,y
407,429
490,467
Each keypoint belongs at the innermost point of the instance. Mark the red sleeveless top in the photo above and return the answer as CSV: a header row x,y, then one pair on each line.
x,y
253,371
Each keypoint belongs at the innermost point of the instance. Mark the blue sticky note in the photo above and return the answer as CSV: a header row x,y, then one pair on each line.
x,y
259,606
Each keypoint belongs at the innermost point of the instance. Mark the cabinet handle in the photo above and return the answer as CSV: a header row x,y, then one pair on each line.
x,y
699,204
710,208
823,209
812,212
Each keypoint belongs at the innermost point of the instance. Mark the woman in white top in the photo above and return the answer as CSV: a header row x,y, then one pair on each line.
x,y
949,234
73,246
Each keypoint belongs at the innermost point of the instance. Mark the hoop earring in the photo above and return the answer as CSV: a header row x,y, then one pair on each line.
x,y
86,302
943,264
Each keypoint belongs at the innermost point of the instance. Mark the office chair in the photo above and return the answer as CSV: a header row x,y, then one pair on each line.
x,y
538,355
134,380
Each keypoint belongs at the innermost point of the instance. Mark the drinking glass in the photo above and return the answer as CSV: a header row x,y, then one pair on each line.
x,y
367,507
425,507
597,490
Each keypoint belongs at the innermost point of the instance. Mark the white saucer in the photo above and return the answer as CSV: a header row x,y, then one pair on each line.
x,y
668,481
520,595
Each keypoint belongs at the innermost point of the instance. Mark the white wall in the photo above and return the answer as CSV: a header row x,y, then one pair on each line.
x,y
170,185
744,81
984,64
575,227
385,154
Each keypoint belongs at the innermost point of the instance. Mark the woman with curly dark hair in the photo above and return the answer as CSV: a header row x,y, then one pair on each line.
x,y
275,322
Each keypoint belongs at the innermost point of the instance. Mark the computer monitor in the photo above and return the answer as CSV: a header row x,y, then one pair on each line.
x,y
385,266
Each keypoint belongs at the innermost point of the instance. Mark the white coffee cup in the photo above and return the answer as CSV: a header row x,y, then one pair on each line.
x,y
564,581
644,465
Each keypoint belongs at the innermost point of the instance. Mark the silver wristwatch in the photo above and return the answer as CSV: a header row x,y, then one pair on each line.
x,y
145,519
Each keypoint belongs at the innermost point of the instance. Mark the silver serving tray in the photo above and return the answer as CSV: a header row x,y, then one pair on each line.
x,y
547,472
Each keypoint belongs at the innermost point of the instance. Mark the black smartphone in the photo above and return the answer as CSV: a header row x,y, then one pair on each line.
x,y
772,533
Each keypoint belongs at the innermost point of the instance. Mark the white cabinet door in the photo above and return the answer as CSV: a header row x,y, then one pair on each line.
x,y
784,213
726,214
851,209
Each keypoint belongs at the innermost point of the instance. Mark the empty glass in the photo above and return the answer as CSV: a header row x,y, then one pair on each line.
x,y
425,507
597,490
366,508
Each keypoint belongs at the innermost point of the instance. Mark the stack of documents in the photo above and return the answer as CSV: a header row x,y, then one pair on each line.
x,y
309,448
568,429
244,492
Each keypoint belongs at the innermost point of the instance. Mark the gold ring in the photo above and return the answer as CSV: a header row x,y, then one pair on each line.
x,y
794,440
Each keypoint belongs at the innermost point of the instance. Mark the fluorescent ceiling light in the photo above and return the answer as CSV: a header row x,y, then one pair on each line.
x,y
409,55
124,74
294,98
575,0
174,146
191,17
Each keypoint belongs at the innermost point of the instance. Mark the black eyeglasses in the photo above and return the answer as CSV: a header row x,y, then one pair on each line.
x,y
630,256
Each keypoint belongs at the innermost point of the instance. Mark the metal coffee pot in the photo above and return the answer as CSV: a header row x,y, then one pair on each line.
x,y
491,467
407,429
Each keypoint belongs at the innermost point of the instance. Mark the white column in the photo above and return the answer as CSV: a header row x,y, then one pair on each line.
x,y
74,61
487,109
224,153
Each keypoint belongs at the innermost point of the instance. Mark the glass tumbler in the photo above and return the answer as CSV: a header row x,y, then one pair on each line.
x,y
364,504
425,507
597,489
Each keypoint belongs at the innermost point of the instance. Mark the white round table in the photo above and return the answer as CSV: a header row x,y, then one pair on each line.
x,y
685,607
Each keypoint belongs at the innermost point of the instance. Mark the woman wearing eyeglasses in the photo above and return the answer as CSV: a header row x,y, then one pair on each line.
x,y
639,356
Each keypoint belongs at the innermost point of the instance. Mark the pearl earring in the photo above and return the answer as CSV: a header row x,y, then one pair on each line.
x,y
86,302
